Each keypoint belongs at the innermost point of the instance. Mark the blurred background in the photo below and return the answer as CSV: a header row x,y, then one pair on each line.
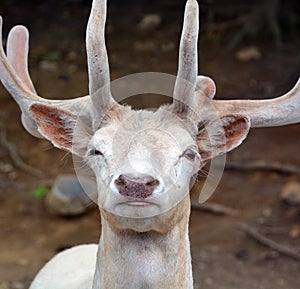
x,y
250,49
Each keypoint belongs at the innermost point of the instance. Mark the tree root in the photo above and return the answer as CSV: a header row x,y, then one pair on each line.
x,y
215,208
15,156
282,249
264,166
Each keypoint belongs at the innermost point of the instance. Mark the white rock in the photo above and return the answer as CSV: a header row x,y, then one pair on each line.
x,y
149,22
248,53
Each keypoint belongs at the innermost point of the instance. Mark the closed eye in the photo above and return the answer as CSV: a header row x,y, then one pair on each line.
x,y
94,152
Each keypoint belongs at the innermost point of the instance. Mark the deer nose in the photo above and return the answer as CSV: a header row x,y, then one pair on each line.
x,y
138,188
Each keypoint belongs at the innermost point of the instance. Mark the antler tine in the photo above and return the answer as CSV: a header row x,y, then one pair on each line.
x,y
17,54
98,66
15,77
279,111
14,74
10,79
188,60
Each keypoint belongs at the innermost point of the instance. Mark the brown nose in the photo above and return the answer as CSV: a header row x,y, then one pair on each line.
x,y
138,188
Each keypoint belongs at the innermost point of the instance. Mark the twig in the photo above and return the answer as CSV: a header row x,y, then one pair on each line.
x,y
264,166
215,208
4,184
14,155
270,243
275,230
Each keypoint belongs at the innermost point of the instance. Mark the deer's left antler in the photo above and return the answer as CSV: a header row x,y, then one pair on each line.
x,y
16,79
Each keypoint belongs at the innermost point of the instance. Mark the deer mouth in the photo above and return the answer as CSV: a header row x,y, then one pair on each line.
x,y
137,203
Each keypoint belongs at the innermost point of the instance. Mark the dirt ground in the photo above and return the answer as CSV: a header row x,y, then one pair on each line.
x,y
224,256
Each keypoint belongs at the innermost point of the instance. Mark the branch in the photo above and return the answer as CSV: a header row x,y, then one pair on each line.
x,y
264,166
14,154
215,208
270,243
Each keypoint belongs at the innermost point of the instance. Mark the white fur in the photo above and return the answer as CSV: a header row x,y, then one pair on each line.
x,y
71,269
141,247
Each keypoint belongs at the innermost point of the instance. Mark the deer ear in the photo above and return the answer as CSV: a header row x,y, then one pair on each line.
x,y
205,86
58,126
222,136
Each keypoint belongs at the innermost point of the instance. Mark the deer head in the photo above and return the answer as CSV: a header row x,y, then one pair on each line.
x,y
143,160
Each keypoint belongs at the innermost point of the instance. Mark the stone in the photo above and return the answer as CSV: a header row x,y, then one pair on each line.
x,y
291,193
248,53
149,22
69,198
48,65
6,167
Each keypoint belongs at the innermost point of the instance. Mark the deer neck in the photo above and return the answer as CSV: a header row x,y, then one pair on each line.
x,y
151,259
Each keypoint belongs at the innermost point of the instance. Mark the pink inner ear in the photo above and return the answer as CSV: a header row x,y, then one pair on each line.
x,y
54,124
236,129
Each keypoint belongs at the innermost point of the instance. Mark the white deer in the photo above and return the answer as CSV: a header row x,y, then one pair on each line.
x,y
144,240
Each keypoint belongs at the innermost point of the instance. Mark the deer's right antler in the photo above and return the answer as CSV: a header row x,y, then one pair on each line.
x,y
278,111
193,94
185,84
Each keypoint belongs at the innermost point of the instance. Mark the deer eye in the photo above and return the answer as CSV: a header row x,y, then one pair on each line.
x,y
189,154
94,152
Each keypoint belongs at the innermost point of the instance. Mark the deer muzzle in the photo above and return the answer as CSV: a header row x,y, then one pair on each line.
x,y
136,187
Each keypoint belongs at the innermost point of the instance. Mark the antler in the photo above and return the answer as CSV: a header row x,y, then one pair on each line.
x,y
16,79
17,54
98,65
188,60
14,73
262,113
279,111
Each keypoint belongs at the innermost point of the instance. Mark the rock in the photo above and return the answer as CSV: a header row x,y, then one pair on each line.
x,y
48,65
248,53
291,193
149,22
5,167
69,198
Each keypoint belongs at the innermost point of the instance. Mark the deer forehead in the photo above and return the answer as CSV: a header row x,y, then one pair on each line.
x,y
144,131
